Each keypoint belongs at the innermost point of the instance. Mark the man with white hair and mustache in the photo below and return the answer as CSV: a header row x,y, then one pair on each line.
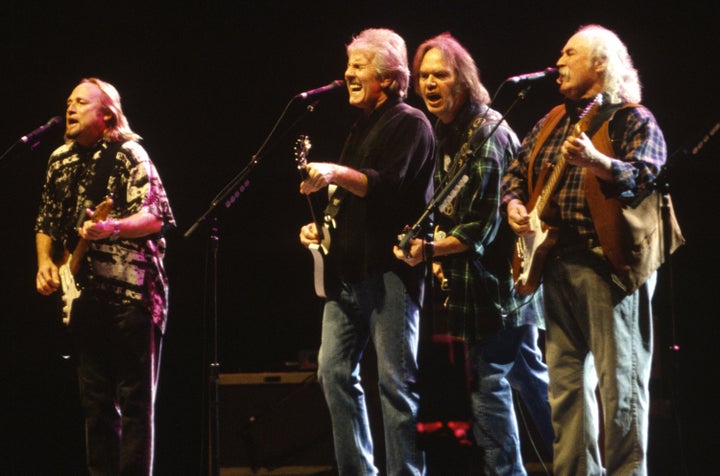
x,y
599,320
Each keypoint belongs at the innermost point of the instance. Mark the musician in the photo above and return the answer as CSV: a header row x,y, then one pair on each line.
x,y
472,249
384,180
599,326
118,320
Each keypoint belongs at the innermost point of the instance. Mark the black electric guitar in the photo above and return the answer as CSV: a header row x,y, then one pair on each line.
x,y
71,263
318,250
531,249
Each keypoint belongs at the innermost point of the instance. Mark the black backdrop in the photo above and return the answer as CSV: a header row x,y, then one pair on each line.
x,y
204,83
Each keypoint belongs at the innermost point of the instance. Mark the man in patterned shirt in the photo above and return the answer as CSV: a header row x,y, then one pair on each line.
x,y
472,252
599,327
118,320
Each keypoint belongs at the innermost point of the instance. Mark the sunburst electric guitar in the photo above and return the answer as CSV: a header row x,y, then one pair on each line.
x,y
71,263
318,250
532,249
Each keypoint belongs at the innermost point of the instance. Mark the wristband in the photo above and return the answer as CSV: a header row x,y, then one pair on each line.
x,y
116,231
428,250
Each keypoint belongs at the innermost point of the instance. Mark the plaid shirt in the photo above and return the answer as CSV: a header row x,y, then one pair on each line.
x,y
481,298
640,149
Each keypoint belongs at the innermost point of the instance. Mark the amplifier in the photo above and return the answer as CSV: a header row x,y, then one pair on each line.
x,y
273,423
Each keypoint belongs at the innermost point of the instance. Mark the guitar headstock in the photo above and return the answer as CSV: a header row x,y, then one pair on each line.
x,y
102,211
302,149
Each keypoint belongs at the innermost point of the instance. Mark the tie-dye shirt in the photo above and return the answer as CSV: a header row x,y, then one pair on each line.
x,y
125,270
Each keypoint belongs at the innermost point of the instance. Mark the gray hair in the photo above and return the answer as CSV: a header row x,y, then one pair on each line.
x,y
621,80
389,57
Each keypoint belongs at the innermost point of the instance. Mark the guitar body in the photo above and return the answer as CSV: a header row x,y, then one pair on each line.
x,y
70,290
532,249
71,265
319,253
530,253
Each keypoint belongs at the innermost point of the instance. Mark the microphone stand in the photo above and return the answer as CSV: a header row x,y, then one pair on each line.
x,y
227,196
450,186
662,185
33,145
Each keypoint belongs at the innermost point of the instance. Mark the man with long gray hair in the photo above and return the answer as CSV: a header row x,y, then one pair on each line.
x,y
606,151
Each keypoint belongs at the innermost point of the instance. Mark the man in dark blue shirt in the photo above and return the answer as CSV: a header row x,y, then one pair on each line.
x,y
384,181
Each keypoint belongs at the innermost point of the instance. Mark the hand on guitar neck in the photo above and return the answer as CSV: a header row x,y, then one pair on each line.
x,y
71,265
315,236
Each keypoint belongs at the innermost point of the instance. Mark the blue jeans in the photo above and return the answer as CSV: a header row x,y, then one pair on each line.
x,y
597,335
502,362
377,309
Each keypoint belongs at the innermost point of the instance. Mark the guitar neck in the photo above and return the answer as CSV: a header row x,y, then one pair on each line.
x,y
559,166
311,205
550,185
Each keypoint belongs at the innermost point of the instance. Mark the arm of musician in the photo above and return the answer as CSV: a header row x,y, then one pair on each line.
x,y
418,252
322,174
309,235
518,218
581,151
136,225
47,280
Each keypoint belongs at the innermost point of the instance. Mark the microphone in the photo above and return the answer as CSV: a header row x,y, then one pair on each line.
x,y
546,73
42,129
338,83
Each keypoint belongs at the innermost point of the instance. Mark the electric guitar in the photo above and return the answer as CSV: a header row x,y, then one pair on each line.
x,y
532,249
71,263
318,250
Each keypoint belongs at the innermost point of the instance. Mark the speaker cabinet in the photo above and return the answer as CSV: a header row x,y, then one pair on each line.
x,y
273,423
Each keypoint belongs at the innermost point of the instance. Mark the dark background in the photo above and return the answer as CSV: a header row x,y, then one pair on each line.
x,y
204,83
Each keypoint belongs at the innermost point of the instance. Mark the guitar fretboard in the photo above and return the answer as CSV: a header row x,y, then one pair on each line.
x,y
559,166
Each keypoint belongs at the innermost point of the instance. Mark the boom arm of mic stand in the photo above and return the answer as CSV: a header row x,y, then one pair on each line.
x,y
417,228
439,197
240,182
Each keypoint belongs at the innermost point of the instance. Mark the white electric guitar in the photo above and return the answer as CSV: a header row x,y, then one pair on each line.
x,y
318,250
531,249
71,263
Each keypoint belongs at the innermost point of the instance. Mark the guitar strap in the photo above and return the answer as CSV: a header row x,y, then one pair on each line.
x,y
468,146
97,189
553,118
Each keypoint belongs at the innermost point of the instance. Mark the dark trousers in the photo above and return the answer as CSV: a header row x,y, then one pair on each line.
x,y
118,352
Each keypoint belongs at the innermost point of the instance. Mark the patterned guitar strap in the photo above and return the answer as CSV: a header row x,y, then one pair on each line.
x,y
98,188
467,150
